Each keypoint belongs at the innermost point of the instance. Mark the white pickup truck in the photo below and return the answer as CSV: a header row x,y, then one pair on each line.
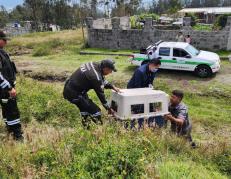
x,y
180,56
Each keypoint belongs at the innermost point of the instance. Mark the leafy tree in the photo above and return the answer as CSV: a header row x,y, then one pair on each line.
x,y
195,3
211,3
3,16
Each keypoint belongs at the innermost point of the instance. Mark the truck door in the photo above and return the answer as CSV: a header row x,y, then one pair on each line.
x,y
182,59
165,56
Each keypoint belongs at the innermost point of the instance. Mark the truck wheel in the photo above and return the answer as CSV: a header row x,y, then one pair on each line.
x,y
203,71
144,62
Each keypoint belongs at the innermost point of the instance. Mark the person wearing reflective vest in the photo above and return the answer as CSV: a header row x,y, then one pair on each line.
x,y
8,101
90,76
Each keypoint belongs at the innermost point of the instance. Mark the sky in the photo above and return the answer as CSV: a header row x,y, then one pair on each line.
x,y
10,4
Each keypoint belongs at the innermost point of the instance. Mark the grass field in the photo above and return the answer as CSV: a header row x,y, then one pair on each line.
x,y
56,146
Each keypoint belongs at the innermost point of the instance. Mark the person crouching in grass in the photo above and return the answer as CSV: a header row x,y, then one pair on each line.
x,y
178,116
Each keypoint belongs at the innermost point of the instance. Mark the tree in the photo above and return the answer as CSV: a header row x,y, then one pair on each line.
x,y
195,3
19,13
167,6
35,9
211,3
173,6
93,8
154,7
3,17
226,3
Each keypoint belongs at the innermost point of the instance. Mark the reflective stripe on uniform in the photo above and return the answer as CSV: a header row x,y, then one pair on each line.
x,y
96,114
88,67
84,113
11,123
4,84
92,66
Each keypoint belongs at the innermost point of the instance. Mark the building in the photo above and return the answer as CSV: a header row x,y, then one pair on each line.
x,y
206,14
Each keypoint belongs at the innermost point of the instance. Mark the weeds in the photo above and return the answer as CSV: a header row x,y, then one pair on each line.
x,y
56,146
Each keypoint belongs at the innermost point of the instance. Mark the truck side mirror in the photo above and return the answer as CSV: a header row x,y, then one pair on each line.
x,y
188,56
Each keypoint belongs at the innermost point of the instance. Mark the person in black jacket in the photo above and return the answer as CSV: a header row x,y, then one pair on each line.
x,y
90,76
143,77
10,111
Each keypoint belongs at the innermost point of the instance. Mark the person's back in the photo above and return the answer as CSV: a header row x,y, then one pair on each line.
x,y
84,78
90,76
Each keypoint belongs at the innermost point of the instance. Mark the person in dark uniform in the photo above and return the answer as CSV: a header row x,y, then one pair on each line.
x,y
10,111
143,77
90,76
178,116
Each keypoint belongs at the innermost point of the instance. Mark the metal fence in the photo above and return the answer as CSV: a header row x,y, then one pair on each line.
x,y
17,31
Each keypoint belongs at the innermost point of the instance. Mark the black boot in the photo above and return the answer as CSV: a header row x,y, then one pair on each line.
x,y
16,130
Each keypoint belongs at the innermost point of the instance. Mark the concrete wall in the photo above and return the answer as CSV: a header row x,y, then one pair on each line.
x,y
117,38
104,23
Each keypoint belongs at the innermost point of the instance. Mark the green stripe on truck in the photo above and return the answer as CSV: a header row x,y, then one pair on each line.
x,y
174,61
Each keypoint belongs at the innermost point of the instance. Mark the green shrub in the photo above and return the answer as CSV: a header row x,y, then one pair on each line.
x,y
221,21
180,169
193,18
46,48
44,103
153,16
201,27
223,162
41,50
135,20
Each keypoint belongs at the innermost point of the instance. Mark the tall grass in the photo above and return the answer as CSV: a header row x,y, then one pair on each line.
x,y
57,146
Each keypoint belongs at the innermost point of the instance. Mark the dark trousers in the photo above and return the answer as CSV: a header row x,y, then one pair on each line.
x,y
11,116
86,106
158,120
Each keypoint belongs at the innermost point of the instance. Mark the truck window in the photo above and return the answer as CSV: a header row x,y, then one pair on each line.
x,y
179,52
164,51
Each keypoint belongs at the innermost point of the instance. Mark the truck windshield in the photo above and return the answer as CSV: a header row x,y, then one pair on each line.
x,y
192,50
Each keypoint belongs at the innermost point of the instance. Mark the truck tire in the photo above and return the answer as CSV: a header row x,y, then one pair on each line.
x,y
203,71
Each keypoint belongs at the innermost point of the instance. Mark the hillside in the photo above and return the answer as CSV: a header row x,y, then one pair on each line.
x,y
56,145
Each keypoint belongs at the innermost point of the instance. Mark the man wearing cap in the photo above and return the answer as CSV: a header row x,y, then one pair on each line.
x,y
90,76
143,77
10,111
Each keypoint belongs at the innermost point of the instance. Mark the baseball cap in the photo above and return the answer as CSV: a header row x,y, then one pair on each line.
x,y
3,36
108,63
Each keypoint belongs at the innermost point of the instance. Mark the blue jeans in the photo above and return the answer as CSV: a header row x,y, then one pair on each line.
x,y
159,121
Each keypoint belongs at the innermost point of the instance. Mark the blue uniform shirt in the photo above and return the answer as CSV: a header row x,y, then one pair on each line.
x,y
142,78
